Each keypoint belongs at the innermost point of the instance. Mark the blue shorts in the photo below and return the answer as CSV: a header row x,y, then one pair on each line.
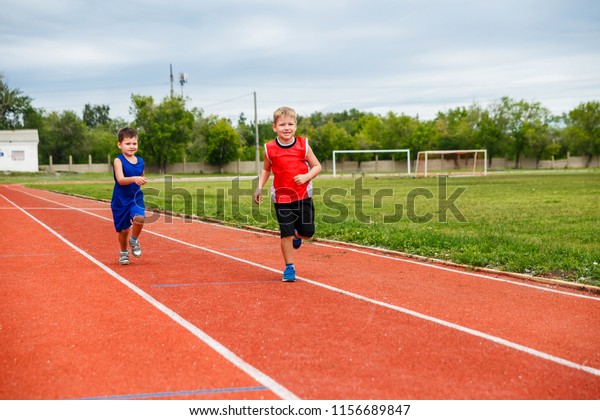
x,y
122,216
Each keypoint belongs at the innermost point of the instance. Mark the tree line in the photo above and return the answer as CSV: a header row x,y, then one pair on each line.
x,y
170,132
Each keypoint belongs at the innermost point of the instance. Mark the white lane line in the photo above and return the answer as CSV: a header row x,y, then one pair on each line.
x,y
467,330
256,374
476,333
454,270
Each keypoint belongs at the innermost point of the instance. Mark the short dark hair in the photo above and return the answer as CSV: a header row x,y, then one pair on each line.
x,y
126,133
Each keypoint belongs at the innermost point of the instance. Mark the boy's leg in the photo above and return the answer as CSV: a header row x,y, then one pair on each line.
x,y
305,229
287,249
137,226
296,240
123,236
286,218
136,213
289,273
134,243
124,253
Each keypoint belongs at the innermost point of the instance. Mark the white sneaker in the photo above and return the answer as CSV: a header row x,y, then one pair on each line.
x,y
124,258
136,248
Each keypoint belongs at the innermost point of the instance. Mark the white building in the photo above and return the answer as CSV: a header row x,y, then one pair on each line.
x,y
19,150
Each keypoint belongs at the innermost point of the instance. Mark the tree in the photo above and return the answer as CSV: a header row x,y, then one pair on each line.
x,y
14,107
222,142
195,148
537,140
584,129
96,115
102,142
488,134
247,134
425,137
165,129
397,130
521,122
63,135
368,137
457,128
349,120
331,137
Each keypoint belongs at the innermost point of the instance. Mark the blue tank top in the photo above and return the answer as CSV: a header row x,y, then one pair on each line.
x,y
126,195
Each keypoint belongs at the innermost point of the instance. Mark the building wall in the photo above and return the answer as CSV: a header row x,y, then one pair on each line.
x,y
19,150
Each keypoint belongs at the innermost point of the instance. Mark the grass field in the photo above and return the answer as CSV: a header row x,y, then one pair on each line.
x,y
544,224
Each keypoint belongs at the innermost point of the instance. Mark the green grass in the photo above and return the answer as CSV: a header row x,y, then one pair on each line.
x,y
544,223
50,177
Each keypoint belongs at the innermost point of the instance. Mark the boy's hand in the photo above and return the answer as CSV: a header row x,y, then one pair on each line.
x,y
257,196
140,180
301,179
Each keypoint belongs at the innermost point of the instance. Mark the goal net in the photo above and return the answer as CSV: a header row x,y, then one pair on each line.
x,y
376,166
451,163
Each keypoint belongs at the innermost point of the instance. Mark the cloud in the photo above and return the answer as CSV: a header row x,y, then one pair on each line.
x,y
408,56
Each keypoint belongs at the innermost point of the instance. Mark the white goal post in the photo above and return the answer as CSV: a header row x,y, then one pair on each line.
x,y
407,151
424,166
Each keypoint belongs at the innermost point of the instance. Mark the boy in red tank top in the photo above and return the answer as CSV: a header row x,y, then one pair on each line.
x,y
294,165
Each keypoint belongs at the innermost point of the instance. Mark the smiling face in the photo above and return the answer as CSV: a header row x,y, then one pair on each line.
x,y
285,127
128,146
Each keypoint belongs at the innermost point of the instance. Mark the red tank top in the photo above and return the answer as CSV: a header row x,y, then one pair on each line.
x,y
287,161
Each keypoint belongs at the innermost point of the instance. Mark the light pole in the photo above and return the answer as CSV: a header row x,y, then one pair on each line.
x,y
256,137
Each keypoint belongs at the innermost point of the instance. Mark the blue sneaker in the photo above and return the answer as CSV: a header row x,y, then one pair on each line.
x,y
289,274
296,242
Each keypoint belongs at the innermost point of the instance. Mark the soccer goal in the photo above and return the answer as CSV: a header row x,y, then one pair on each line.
x,y
451,163
407,151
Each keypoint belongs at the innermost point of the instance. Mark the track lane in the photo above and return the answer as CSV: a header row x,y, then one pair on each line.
x,y
500,304
71,331
251,313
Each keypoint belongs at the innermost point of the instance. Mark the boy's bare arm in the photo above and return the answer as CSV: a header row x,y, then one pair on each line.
x,y
263,177
126,180
315,168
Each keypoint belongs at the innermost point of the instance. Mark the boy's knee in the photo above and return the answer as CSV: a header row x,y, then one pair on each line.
x,y
307,232
139,219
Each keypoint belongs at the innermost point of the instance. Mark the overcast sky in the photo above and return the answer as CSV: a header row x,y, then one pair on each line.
x,y
414,57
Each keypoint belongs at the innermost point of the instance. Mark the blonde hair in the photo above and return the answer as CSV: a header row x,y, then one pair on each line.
x,y
284,111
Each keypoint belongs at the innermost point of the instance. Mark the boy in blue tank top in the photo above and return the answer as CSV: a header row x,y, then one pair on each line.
x,y
127,202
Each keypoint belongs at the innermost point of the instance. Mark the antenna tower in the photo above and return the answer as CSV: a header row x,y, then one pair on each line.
x,y
182,81
171,68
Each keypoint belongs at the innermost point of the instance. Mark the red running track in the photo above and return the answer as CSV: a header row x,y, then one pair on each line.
x,y
203,314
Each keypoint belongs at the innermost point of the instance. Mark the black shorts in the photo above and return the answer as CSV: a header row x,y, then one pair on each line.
x,y
298,215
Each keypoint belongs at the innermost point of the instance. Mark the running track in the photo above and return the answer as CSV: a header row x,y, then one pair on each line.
x,y
203,314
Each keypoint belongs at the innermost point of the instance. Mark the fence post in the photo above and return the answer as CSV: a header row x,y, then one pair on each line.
x,y
90,163
70,163
50,162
